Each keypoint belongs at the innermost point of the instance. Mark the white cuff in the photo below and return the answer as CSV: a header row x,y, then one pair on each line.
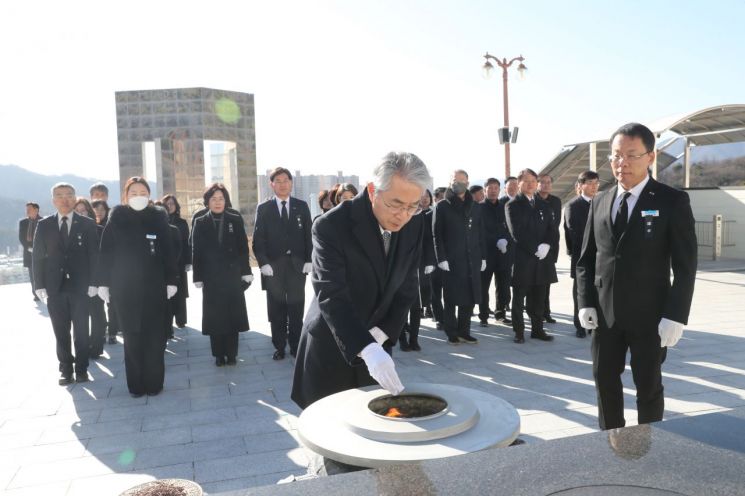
x,y
378,335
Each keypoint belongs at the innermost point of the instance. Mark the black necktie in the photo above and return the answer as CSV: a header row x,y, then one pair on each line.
x,y
532,202
622,217
64,232
30,231
386,241
285,217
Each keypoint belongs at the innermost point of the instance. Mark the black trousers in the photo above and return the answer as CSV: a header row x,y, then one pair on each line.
x,y
503,289
460,326
487,275
177,308
534,306
67,310
576,307
425,289
224,345
410,332
98,325
437,308
609,348
31,278
547,304
285,298
144,360
113,319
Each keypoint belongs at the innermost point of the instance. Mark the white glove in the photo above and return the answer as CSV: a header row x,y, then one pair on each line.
x,y
41,293
542,251
30,250
429,269
170,291
103,293
92,291
502,245
670,332
266,270
248,278
444,266
187,267
483,265
381,368
307,268
198,284
588,318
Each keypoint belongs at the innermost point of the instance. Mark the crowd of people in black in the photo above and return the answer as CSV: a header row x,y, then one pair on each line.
x,y
380,260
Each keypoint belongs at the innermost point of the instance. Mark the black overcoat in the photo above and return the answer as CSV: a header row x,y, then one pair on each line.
x,y
628,280
184,257
219,268
459,240
137,263
356,288
23,238
529,227
575,219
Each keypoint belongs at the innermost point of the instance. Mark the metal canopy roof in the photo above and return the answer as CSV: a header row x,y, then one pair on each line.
x,y
711,126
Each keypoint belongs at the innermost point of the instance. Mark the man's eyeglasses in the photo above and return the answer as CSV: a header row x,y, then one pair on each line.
x,y
625,157
400,209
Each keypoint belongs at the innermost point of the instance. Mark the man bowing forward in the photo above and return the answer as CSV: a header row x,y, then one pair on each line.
x,y
636,231
365,261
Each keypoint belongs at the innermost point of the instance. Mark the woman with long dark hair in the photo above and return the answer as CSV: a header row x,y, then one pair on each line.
x,y
178,302
222,270
137,270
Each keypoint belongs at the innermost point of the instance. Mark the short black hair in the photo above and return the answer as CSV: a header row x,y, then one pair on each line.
x,y
587,175
492,180
525,172
99,186
212,189
510,178
33,204
475,188
636,130
279,170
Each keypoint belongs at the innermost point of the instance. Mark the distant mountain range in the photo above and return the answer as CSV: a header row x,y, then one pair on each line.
x,y
18,186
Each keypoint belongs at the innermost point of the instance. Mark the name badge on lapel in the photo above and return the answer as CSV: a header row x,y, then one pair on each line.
x,y
649,216
151,238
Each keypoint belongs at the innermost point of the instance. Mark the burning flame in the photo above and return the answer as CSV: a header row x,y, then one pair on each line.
x,y
394,412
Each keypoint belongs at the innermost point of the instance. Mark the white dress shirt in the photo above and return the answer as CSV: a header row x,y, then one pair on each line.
x,y
279,205
69,220
630,201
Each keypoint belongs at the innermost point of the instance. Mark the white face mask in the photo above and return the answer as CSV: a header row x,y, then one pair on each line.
x,y
138,202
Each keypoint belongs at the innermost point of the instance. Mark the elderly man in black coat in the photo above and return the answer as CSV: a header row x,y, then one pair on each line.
x,y
531,225
460,249
64,261
365,260
636,232
575,218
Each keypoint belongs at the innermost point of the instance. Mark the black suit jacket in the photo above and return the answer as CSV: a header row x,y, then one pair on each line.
x,y
356,288
271,239
554,202
628,282
495,228
575,219
22,237
530,227
57,267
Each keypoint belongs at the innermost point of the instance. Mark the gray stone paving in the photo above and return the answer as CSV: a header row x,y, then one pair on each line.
x,y
233,428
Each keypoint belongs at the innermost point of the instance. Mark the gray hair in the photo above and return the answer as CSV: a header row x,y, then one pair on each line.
x,y
62,185
407,166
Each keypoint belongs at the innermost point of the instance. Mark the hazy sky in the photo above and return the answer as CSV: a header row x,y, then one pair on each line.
x,y
338,84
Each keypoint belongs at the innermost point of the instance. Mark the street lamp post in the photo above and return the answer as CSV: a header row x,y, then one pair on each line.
x,y
504,64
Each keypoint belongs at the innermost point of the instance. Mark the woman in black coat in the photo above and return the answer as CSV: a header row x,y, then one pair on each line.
x,y
221,268
531,225
460,249
137,270
101,209
409,337
178,302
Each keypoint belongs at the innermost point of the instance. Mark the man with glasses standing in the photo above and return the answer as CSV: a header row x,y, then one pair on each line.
x,y
460,249
365,260
636,231
282,246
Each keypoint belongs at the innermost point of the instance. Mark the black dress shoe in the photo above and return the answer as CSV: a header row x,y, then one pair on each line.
x,y
549,319
278,355
439,326
81,377
468,339
404,346
415,347
65,379
580,333
483,323
220,361
112,340
519,339
230,361
454,341
137,395
541,335
154,393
